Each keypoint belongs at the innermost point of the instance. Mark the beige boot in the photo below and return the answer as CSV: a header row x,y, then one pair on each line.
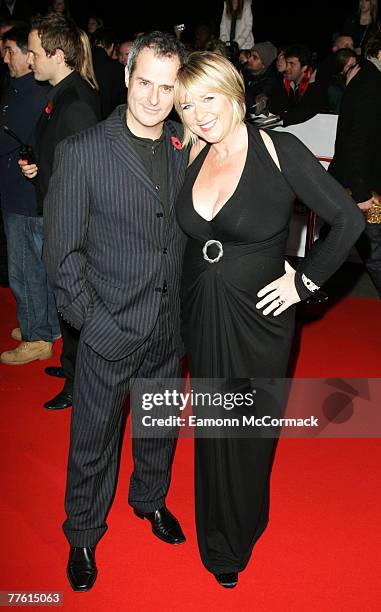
x,y
16,334
26,352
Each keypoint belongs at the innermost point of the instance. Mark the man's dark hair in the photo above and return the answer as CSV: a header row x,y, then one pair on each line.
x,y
373,46
302,52
59,32
19,36
161,43
104,37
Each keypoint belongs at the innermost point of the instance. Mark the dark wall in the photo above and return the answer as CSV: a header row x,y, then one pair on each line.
x,y
280,21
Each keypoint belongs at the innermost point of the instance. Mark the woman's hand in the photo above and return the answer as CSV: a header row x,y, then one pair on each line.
x,y
279,295
28,170
366,205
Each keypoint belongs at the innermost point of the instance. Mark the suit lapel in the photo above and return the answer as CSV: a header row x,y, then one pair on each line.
x,y
125,152
175,160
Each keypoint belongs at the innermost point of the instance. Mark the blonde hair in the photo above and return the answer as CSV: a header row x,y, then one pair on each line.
x,y
85,65
373,10
212,73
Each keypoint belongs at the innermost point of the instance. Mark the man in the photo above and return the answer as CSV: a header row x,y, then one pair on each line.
x,y
326,69
21,108
116,277
299,97
56,55
356,162
260,73
124,49
109,72
5,25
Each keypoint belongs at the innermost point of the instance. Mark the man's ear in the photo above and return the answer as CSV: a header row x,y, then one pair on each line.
x,y
60,56
126,76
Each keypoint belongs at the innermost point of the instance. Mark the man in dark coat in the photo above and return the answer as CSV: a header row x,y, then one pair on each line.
x,y
356,163
299,97
260,74
56,55
109,73
21,107
116,278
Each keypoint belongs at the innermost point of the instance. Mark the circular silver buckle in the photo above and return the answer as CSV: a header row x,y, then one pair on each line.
x,y
205,249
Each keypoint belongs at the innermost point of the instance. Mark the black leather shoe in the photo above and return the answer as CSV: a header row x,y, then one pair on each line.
x,y
55,371
229,581
60,401
164,525
81,569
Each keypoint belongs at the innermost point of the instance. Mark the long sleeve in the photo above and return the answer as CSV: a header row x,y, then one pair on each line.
x,y
224,26
244,31
314,101
329,200
66,218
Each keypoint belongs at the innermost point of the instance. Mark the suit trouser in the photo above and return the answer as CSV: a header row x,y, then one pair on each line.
x,y
100,390
70,339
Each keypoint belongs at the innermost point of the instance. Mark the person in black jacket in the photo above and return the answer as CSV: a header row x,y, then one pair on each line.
x,y
109,73
57,54
21,107
356,162
116,277
362,24
260,74
298,97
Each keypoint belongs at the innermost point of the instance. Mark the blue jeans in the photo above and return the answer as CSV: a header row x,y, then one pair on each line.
x,y
36,308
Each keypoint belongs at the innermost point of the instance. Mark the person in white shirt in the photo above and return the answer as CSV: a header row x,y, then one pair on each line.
x,y
237,23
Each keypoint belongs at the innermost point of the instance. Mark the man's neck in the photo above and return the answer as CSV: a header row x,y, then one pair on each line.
x,y
27,71
61,74
142,131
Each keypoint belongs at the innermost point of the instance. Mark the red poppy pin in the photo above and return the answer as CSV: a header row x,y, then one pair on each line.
x,y
176,143
48,108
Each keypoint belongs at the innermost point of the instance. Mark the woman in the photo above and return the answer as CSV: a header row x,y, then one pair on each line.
x,y
344,67
93,24
61,7
237,23
362,24
237,299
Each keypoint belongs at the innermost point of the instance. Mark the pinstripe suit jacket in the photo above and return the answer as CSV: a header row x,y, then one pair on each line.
x,y
108,247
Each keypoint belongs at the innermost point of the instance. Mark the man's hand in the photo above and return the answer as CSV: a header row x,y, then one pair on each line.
x,y
28,170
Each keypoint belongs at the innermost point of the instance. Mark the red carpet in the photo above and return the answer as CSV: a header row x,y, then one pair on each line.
x,y
321,550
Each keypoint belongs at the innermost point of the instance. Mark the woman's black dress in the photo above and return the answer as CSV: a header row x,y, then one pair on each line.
x,y
227,337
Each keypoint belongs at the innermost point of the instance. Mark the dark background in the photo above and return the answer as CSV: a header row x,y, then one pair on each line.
x,y
284,21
